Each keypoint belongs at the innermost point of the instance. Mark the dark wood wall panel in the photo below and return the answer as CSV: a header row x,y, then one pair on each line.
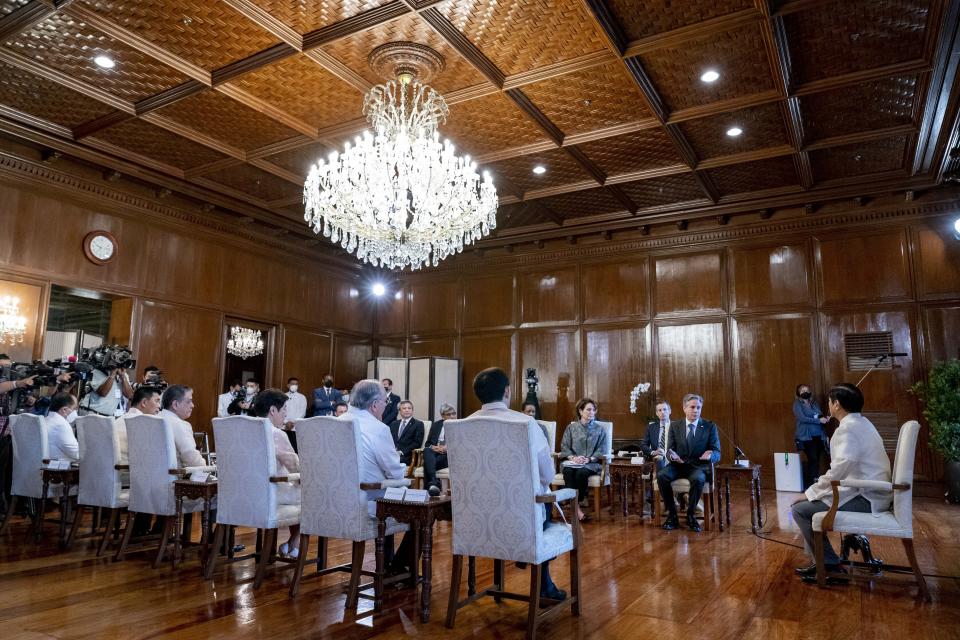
x,y
165,330
615,360
392,313
488,302
446,347
548,296
350,356
688,283
391,349
766,277
691,358
614,290
555,355
938,258
306,355
773,356
865,268
942,333
479,352
433,307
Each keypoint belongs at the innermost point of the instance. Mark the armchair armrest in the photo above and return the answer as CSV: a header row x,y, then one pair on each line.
x,y
182,471
384,484
121,467
561,495
879,485
290,477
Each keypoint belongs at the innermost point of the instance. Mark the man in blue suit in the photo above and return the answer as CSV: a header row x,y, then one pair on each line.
x,y
694,445
326,397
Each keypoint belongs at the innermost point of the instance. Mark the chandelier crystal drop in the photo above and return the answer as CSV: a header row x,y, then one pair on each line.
x,y
398,197
245,343
13,326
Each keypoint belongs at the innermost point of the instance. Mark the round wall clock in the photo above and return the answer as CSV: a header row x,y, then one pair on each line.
x,y
100,247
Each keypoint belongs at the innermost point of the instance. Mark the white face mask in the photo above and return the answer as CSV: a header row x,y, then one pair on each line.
x,y
72,416
293,388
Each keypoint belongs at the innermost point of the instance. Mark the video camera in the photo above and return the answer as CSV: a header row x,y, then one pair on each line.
x,y
45,374
155,381
109,356
532,380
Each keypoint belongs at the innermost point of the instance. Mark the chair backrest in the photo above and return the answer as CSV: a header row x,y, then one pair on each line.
x,y
608,427
426,432
903,473
99,455
245,461
331,502
551,429
495,514
151,454
30,449
202,442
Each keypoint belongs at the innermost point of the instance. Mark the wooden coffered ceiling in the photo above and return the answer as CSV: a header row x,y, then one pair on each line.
x,y
236,98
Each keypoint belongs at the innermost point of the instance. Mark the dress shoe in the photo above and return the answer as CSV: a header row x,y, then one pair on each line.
x,y
434,490
831,579
672,523
693,525
553,593
810,570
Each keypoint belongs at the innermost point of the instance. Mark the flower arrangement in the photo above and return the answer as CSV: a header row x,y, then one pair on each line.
x,y
637,391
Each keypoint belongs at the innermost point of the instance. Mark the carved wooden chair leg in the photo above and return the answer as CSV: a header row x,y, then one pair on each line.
x,y
301,561
108,532
127,533
498,581
453,602
575,580
219,533
10,509
818,539
921,581
77,517
269,538
534,601
168,524
356,566
321,554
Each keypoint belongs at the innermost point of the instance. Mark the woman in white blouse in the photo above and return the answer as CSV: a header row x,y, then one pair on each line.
x,y
270,405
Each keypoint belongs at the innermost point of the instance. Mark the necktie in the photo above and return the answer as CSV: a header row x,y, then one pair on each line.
x,y
663,437
403,425
691,430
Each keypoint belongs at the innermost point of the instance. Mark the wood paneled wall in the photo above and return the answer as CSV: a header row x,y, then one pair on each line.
x,y
182,281
740,322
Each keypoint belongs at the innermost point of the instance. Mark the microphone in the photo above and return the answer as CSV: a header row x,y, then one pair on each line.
x,y
887,355
737,451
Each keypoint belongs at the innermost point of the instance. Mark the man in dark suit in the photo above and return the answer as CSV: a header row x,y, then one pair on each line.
x,y
407,432
655,437
435,450
692,445
325,397
393,402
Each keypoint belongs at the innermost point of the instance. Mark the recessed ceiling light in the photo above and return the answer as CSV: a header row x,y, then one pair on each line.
x,y
539,169
378,289
104,62
733,132
710,76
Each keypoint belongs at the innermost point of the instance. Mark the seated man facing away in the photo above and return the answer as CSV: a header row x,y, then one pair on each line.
x,y
177,408
694,444
492,388
62,443
856,452
435,451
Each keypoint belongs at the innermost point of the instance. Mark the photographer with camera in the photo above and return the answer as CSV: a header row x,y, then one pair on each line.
x,y
110,384
242,404
152,377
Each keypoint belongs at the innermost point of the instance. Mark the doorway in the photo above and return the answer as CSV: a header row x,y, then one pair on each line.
x,y
255,360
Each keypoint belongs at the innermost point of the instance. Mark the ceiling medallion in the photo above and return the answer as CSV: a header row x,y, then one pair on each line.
x,y
398,197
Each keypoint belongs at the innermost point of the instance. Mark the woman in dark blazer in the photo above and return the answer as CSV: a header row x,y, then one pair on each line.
x,y
583,447
810,436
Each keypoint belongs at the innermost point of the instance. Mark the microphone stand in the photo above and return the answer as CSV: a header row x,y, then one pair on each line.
x,y
876,365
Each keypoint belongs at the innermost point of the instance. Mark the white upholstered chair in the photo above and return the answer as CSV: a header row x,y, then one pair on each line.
x,y
498,514
597,482
30,449
896,522
153,470
334,501
415,469
550,427
100,474
247,489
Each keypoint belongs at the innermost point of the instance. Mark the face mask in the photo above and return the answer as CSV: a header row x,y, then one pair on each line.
x,y
293,388
72,416
251,391
328,383
805,395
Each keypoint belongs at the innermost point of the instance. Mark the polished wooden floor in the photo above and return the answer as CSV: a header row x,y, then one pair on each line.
x,y
638,582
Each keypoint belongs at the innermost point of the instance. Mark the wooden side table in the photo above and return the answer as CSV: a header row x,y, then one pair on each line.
x,y
205,491
724,474
420,516
66,478
623,473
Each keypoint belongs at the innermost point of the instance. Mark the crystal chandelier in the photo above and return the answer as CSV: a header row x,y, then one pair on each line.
x,y
398,197
13,326
245,343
